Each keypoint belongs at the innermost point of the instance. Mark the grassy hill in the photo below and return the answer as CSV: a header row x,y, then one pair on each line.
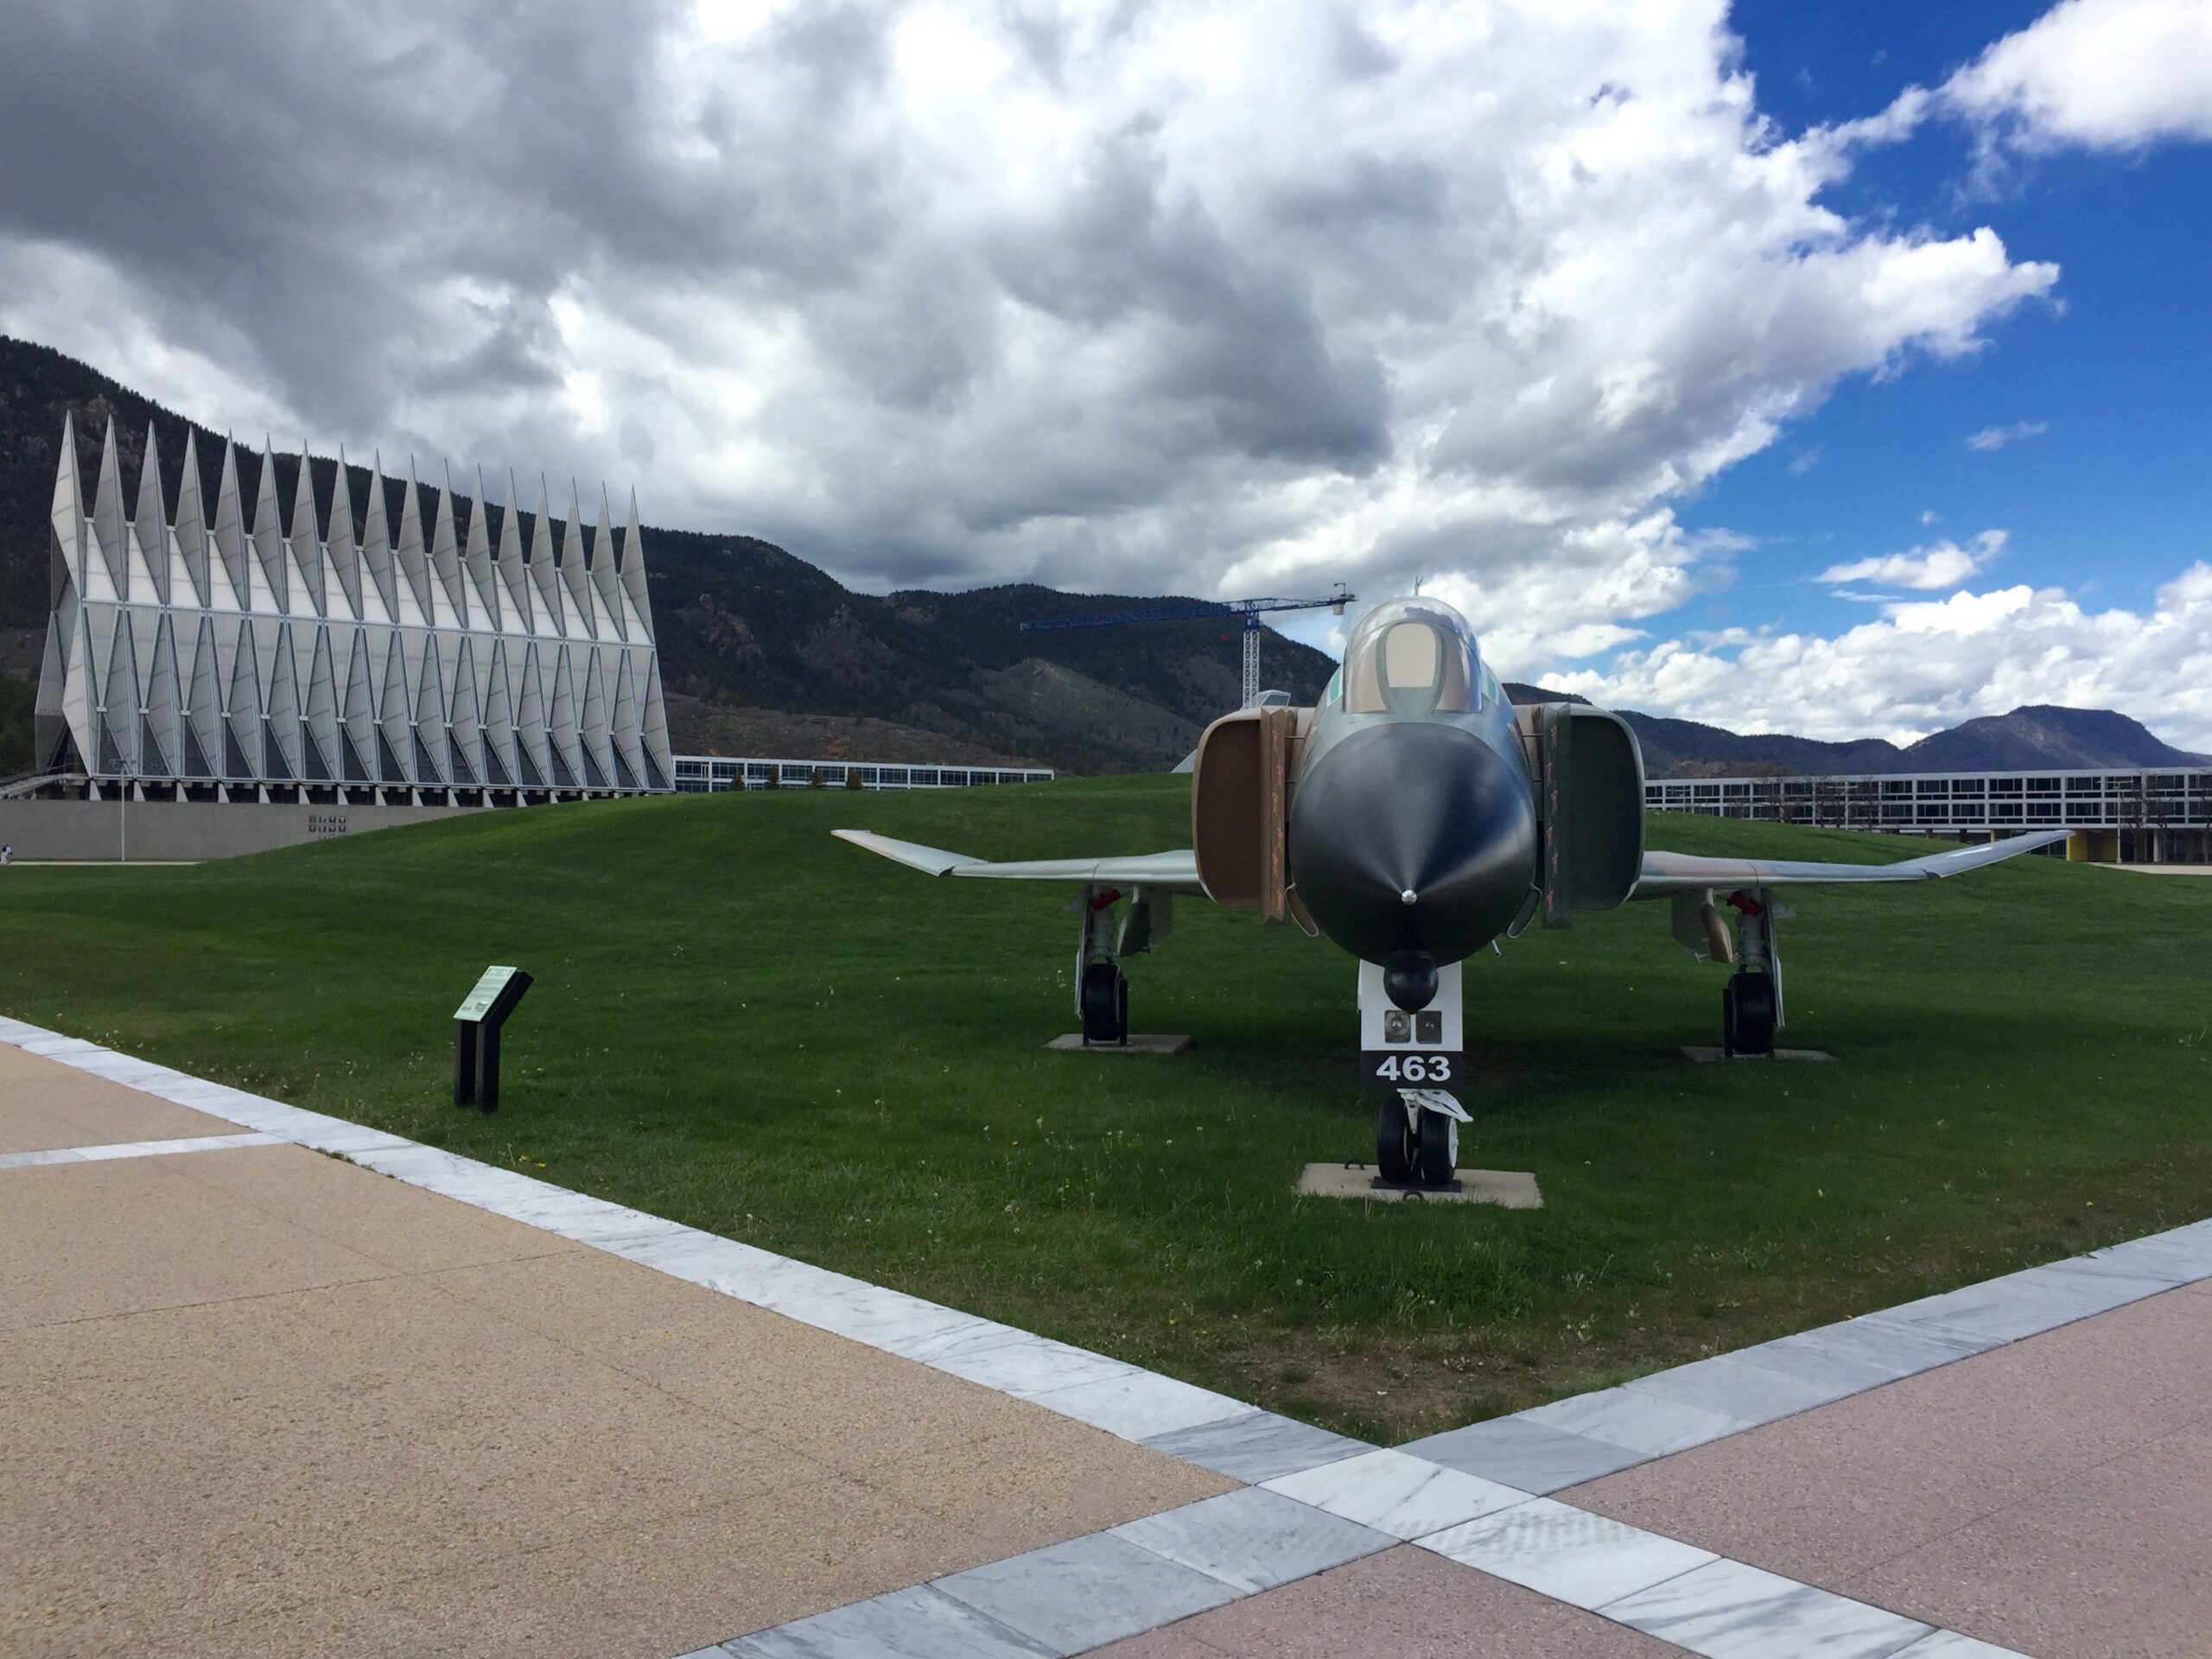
x,y
744,1025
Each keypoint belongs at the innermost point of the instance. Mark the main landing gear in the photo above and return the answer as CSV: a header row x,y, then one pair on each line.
x,y
1104,1003
1101,990
1751,1004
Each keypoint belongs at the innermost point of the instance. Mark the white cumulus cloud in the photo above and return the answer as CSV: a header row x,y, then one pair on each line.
x,y
1241,296
1944,565
1927,664
2103,74
1992,438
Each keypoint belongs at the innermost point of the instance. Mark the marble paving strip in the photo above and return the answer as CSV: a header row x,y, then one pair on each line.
x,y
1514,1452
134,1149
1569,1555
1073,1596
1726,1609
1405,1496
1252,1539
1257,1446
921,1622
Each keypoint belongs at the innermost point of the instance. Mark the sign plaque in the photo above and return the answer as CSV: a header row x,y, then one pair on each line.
x,y
476,1025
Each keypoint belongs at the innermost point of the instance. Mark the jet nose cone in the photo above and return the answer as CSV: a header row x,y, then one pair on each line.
x,y
1413,837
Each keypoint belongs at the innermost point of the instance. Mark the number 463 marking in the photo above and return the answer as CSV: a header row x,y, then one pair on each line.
x,y
1415,1068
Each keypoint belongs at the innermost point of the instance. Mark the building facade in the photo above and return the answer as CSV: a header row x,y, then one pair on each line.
x,y
2151,816
705,774
221,656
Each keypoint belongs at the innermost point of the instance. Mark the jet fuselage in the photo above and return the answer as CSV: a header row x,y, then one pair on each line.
x,y
1412,838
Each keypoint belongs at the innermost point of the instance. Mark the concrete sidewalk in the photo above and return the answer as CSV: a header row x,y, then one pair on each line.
x,y
259,1401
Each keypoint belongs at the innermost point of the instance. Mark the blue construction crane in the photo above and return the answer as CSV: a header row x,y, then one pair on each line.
x,y
1189,610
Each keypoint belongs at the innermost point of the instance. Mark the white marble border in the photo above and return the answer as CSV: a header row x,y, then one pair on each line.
x,y
108,1149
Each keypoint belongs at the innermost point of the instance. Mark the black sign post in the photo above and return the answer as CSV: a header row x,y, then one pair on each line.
x,y
476,1025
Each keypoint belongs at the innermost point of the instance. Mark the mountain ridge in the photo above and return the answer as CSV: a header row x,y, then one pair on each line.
x,y
759,646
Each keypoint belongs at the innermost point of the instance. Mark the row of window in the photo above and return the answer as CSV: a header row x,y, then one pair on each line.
x,y
697,774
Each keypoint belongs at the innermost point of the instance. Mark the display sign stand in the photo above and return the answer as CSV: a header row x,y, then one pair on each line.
x,y
476,1025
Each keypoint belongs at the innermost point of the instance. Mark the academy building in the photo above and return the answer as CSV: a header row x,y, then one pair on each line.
x,y
239,682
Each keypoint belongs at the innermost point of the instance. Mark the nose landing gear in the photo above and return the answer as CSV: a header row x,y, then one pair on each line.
x,y
1417,1138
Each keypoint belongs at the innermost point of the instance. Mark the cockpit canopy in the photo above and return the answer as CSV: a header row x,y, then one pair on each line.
x,y
1412,657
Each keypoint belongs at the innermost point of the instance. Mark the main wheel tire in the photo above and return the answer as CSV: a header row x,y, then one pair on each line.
x,y
1105,1003
1438,1150
1393,1142
1748,1014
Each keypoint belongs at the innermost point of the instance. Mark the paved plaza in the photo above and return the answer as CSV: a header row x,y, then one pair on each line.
x,y
275,1383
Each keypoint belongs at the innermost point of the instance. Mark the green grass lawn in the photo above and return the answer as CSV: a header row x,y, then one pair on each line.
x,y
744,1025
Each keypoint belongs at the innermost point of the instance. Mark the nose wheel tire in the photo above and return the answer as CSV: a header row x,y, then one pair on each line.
x,y
1105,1004
1396,1143
1747,1015
1440,1150
1420,1148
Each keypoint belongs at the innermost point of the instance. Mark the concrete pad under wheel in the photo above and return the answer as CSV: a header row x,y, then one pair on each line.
x,y
1707,1056
1513,1189
1136,1045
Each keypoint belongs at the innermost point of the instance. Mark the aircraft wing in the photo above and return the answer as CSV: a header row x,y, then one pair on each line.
x,y
1170,872
1672,873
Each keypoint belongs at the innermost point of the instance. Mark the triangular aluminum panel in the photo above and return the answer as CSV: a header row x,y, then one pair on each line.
x,y
413,558
159,747
343,553
153,533
395,730
533,734
514,572
67,520
634,588
483,586
592,722
660,764
449,595
307,547
203,722
319,730
191,529
606,580
464,733
285,703
118,718
561,720
358,708
545,573
376,545
107,517
229,536
268,538
495,699
575,578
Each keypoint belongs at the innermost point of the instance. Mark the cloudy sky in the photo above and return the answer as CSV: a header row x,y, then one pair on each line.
x,y
1835,369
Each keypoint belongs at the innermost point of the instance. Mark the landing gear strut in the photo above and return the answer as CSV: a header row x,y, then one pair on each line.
x,y
1750,1005
1101,990
1410,1049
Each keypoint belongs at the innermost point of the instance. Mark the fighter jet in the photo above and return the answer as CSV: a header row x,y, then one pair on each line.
x,y
1413,817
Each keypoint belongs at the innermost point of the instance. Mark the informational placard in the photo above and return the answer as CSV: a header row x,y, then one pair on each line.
x,y
476,1025
486,992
